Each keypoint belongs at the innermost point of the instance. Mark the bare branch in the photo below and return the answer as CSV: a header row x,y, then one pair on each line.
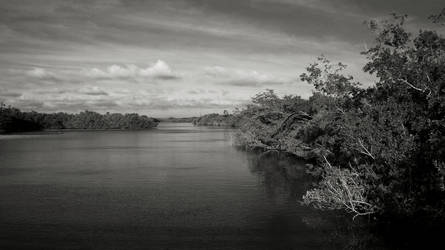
x,y
366,151
410,85
326,160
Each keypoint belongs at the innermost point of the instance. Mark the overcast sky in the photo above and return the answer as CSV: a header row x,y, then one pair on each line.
x,y
177,57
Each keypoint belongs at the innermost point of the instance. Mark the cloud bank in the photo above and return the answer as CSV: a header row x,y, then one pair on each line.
x,y
178,57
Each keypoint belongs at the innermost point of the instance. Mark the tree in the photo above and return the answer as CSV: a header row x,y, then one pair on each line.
x,y
391,135
378,150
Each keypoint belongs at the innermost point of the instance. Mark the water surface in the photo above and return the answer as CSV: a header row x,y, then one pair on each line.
x,y
174,187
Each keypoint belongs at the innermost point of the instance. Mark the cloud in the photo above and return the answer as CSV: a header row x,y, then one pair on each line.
x,y
83,90
40,73
164,103
92,90
77,105
64,103
261,44
158,70
27,104
237,77
10,94
202,91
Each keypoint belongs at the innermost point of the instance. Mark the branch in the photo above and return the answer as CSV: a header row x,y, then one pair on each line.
x,y
326,160
366,152
410,85
284,122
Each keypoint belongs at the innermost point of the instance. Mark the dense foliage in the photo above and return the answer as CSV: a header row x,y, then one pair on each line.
x,y
178,119
224,120
377,150
14,120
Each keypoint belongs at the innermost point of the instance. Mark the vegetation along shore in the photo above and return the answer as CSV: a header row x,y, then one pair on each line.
x,y
376,151
14,120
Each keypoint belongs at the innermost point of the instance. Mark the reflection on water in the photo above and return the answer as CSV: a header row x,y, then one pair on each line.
x,y
174,187
284,179
281,174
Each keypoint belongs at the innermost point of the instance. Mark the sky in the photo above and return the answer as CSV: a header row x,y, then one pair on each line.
x,y
178,57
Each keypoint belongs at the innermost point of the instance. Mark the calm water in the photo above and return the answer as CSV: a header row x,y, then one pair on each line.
x,y
174,187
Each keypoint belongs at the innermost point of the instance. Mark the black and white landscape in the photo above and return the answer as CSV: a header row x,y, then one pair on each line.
x,y
222,124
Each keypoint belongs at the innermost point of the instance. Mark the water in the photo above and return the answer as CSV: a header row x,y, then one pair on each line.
x,y
174,187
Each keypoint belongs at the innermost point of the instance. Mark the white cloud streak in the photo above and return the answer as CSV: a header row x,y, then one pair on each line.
x,y
158,70
40,73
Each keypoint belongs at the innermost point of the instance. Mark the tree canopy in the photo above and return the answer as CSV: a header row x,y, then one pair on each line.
x,y
377,150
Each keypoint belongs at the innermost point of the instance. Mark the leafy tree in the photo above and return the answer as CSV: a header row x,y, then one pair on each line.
x,y
391,138
378,150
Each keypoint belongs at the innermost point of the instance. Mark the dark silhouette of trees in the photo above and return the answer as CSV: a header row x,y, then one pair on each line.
x,y
14,120
224,120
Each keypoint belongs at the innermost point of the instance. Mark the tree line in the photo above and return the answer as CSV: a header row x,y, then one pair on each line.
x,y
15,120
214,119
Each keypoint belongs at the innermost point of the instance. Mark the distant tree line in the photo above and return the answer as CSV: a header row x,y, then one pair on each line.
x,y
214,119
378,150
179,120
14,120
